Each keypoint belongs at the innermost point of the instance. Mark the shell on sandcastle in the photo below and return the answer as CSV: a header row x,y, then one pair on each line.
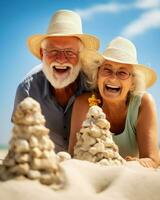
x,y
94,140
31,152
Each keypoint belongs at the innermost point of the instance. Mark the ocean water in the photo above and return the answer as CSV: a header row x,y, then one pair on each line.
x,y
3,146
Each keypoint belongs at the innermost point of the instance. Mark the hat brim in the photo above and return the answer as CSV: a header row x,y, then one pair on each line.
x,y
149,74
34,42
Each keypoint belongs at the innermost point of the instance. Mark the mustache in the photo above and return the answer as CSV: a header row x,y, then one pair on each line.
x,y
65,65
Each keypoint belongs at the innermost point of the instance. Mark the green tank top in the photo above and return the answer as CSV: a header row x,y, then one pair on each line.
x,y
126,141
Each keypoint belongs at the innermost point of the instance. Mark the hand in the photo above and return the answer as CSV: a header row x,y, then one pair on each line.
x,y
145,162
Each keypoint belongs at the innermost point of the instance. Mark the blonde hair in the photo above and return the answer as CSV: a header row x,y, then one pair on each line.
x,y
138,80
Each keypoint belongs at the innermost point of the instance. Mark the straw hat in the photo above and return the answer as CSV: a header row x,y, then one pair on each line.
x,y
121,50
63,23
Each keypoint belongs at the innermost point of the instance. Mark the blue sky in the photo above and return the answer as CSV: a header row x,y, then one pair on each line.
x,y
138,20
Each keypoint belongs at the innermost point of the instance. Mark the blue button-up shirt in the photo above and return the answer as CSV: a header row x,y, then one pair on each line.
x,y
57,118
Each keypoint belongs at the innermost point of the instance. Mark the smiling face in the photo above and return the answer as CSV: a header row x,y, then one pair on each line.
x,y
60,56
115,80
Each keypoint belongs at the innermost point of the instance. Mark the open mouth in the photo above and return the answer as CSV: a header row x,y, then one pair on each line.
x,y
112,88
61,69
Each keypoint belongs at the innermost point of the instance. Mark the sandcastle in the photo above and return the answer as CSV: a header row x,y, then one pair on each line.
x,y
31,152
94,140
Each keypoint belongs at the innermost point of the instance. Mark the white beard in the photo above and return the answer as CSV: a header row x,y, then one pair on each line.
x,y
61,81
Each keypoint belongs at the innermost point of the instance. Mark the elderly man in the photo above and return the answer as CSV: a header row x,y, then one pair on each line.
x,y
56,84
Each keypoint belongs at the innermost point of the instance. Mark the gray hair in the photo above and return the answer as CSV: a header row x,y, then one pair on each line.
x,y
138,80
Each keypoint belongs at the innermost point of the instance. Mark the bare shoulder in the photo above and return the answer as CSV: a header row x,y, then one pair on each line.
x,y
148,103
147,99
82,100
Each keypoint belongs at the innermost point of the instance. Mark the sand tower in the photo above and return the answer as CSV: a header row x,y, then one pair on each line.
x,y
31,152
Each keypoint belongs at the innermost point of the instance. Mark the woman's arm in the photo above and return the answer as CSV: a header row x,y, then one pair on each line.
x,y
146,131
79,111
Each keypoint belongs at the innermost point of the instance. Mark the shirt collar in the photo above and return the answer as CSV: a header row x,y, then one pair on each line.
x,y
47,88
80,86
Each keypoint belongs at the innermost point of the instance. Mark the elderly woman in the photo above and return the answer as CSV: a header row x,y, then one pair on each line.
x,y
131,111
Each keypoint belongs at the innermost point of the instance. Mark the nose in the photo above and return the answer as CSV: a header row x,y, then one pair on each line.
x,y
61,57
113,75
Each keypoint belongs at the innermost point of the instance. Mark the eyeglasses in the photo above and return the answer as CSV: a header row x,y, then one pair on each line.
x,y
120,74
68,53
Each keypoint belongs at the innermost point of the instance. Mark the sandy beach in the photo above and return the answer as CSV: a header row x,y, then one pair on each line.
x,y
95,181
130,181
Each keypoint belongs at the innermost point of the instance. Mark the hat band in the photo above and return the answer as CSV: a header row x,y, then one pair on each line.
x,y
64,28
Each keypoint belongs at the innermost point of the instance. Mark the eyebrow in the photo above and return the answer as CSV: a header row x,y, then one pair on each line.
x,y
110,65
124,68
107,65
55,48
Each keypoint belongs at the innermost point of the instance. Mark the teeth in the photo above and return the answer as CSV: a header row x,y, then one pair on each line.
x,y
113,86
60,67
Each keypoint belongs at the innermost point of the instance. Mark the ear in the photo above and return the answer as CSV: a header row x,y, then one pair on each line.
x,y
132,88
41,53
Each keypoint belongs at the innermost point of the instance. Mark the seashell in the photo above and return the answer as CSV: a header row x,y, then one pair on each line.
x,y
84,130
28,105
116,155
109,142
93,150
45,143
109,153
87,156
33,142
63,156
47,179
28,112
95,132
9,162
78,153
33,174
27,131
86,123
79,137
39,118
104,162
51,145
100,147
44,164
21,146
48,154
12,142
106,133
79,144
88,140
36,152
22,158
85,147
38,130
117,162
28,119
95,112
99,156
20,169
115,148
19,132
103,123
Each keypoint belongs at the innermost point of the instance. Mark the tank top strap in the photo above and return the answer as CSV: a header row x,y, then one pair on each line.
x,y
133,109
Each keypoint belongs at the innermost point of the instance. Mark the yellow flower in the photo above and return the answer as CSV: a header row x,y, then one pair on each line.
x,y
93,100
